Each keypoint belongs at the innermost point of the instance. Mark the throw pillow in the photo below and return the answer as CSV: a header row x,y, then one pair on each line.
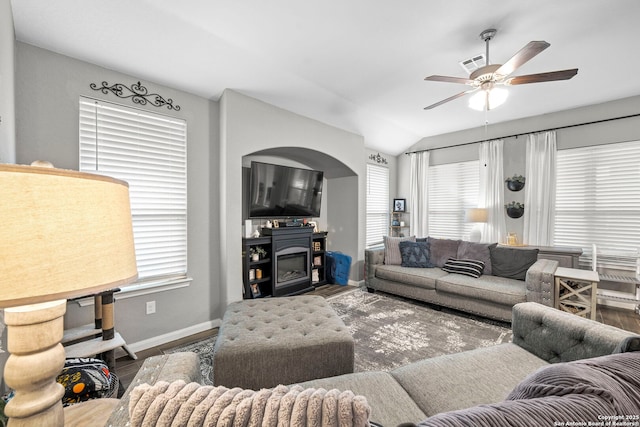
x,y
179,403
415,254
392,249
441,250
468,267
512,263
479,251
85,379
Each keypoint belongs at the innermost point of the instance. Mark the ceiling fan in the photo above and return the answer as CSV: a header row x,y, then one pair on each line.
x,y
491,75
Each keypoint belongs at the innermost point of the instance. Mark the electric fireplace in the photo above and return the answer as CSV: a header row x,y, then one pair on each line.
x,y
292,263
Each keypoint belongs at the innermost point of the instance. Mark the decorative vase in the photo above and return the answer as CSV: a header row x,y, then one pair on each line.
x,y
255,257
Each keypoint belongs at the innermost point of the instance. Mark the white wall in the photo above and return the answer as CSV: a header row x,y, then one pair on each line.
x,y
514,148
48,87
249,126
7,91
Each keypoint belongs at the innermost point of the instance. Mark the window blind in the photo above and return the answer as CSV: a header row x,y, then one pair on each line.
x,y
598,201
149,152
377,204
453,188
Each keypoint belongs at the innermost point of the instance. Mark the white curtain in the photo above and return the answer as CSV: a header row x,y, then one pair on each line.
x,y
540,189
491,195
418,194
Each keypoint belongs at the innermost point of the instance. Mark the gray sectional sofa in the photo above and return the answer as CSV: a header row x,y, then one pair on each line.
x,y
468,387
489,295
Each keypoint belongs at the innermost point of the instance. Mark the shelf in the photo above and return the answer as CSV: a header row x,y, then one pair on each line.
x,y
258,281
95,346
261,261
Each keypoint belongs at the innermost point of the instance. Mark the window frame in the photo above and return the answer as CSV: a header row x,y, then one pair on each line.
x,y
112,139
596,186
379,203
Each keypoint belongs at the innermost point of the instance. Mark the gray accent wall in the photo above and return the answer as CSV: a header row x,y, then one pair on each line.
x,y
514,148
48,87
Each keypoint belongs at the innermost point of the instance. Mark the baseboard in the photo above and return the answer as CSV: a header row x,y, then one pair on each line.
x,y
171,336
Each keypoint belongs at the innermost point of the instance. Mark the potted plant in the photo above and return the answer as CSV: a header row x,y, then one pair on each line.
x,y
515,209
515,183
257,252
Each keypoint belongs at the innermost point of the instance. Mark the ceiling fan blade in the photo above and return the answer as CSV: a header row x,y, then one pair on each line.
x,y
521,57
451,98
542,77
449,79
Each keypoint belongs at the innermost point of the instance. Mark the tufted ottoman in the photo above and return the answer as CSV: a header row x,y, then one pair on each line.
x,y
266,342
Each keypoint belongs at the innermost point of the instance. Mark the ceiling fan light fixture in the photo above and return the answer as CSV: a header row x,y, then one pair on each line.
x,y
497,97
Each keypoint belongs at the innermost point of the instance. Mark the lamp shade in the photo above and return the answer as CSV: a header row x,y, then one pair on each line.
x,y
64,234
476,215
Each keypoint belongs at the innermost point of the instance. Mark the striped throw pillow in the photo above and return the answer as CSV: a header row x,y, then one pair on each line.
x,y
468,267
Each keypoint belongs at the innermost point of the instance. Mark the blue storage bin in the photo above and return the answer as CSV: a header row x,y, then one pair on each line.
x,y
338,266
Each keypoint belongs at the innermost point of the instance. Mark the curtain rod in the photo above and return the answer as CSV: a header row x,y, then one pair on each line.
x,y
527,133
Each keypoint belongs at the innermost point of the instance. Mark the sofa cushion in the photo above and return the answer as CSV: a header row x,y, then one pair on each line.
x,y
390,403
479,251
392,249
442,249
420,277
460,380
415,254
466,267
512,263
499,290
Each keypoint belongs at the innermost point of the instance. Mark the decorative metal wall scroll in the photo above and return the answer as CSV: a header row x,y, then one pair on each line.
x,y
378,158
138,94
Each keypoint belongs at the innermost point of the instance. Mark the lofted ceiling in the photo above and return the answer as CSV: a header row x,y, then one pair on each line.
x,y
358,65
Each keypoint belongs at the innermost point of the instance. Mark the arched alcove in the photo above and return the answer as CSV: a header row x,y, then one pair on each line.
x,y
249,127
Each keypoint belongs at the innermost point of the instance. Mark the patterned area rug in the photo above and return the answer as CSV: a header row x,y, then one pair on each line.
x,y
390,331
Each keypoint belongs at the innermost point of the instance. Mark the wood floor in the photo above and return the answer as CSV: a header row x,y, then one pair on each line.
x,y
126,368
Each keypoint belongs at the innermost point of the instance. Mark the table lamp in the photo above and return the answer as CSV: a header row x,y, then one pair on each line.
x,y
64,234
477,215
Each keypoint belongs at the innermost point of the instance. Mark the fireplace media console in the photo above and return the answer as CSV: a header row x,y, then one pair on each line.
x,y
292,261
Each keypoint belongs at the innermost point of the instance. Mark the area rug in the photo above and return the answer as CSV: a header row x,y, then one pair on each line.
x,y
390,331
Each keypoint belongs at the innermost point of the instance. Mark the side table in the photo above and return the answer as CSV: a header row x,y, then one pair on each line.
x,y
576,291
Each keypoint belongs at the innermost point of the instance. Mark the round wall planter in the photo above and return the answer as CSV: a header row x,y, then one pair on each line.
x,y
515,185
515,212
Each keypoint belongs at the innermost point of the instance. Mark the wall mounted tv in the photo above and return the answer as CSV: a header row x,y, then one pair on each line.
x,y
284,192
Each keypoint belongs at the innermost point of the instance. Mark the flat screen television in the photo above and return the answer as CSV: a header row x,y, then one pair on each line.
x,y
277,191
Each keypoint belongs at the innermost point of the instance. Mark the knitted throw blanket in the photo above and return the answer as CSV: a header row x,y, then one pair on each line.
x,y
180,404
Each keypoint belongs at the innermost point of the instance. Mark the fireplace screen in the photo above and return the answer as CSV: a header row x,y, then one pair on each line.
x,y
291,265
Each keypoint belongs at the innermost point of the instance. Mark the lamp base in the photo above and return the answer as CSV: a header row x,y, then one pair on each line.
x,y
36,358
